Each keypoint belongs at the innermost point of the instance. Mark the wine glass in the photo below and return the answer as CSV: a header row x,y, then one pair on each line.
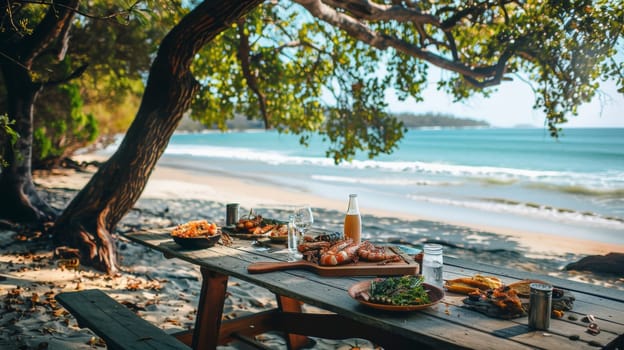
x,y
303,219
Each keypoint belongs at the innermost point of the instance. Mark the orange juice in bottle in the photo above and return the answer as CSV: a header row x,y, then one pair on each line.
x,y
353,220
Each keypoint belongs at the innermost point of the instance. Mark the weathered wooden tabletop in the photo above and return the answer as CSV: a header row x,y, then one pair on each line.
x,y
448,324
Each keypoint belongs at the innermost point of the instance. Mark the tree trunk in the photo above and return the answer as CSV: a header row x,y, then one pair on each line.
x,y
20,201
91,217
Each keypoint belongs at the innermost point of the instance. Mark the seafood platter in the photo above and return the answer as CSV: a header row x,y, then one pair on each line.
x,y
332,255
255,226
398,293
196,234
488,295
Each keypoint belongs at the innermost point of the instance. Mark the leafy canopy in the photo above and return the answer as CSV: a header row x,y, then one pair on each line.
x,y
312,66
115,40
328,70
6,134
282,65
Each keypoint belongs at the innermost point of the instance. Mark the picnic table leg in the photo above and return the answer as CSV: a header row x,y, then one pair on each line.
x,y
209,310
286,304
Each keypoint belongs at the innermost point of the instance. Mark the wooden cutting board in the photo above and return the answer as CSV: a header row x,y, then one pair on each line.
x,y
361,268
407,266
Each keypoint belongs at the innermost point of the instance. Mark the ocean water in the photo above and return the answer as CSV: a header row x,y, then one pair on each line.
x,y
510,178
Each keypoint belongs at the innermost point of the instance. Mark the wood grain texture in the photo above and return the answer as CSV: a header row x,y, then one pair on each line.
x,y
117,325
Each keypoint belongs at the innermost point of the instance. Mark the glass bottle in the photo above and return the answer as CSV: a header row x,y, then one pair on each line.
x,y
432,265
353,220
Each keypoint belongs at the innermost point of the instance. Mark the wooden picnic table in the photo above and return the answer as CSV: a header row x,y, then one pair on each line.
x,y
447,325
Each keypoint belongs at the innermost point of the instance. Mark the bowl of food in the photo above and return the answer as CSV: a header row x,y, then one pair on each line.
x,y
196,234
254,226
279,234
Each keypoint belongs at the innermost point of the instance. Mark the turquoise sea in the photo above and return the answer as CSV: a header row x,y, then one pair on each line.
x,y
512,178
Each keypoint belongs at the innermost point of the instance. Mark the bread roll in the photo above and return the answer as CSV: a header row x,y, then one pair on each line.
x,y
476,283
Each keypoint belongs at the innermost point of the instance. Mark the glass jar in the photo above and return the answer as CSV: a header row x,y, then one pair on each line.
x,y
294,238
432,265
292,235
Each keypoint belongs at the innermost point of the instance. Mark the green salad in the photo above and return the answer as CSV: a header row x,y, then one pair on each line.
x,y
404,290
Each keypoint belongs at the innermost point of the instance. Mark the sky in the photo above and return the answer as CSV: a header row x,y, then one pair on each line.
x,y
511,105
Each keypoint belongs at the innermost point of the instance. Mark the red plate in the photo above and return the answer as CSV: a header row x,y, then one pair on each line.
x,y
435,295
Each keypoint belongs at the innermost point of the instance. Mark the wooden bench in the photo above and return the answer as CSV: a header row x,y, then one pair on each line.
x,y
117,325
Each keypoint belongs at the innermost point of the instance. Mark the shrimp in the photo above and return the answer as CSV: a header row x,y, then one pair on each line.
x,y
310,246
340,253
330,237
340,245
369,252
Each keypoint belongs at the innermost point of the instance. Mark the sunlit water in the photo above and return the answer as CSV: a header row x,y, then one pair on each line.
x,y
512,178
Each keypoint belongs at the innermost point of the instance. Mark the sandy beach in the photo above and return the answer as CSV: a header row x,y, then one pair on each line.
x,y
165,291
168,183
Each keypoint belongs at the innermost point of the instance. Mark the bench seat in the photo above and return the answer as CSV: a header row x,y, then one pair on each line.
x,y
119,327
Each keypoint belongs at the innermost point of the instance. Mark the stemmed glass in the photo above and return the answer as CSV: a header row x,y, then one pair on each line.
x,y
303,219
259,246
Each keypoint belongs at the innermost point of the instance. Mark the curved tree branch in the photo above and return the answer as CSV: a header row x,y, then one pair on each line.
x,y
353,16
252,81
83,13
75,74
51,26
369,10
63,41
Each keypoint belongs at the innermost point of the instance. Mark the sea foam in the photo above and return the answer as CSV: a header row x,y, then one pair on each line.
x,y
528,210
590,183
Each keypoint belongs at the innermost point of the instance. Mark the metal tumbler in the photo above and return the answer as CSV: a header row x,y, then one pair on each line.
x,y
231,214
540,304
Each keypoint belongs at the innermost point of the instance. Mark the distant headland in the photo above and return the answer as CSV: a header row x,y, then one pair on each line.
x,y
432,120
410,120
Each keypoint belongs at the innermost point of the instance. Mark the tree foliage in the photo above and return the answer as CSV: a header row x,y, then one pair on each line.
x,y
307,66
59,132
278,64
119,50
114,41
321,70
8,136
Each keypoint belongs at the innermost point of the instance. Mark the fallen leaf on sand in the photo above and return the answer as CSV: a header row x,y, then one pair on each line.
x,y
173,322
